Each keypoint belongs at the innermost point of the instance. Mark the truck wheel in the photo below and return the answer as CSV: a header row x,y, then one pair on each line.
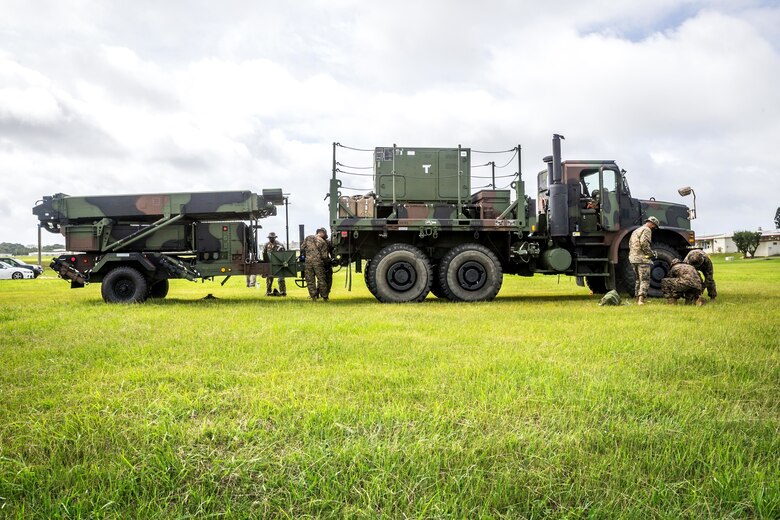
x,y
597,284
661,265
436,289
624,273
159,289
470,273
124,285
399,273
370,284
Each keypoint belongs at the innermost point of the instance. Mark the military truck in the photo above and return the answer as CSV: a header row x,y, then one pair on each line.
x,y
421,229
134,244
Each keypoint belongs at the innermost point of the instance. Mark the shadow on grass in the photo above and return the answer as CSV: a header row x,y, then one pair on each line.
x,y
351,301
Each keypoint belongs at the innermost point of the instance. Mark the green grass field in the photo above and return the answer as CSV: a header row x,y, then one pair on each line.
x,y
539,404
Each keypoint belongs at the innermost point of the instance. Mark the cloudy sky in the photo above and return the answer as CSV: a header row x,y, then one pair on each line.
x,y
101,97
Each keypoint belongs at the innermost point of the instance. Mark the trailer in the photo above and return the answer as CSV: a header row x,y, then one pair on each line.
x,y
134,244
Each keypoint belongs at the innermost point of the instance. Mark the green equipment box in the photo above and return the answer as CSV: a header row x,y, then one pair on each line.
x,y
422,174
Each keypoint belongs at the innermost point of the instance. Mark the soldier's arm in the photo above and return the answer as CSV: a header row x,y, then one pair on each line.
x,y
644,242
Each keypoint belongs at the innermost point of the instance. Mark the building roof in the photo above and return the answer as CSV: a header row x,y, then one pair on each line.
x,y
769,234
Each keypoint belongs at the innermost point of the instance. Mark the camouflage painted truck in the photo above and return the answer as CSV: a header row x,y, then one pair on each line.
x,y
422,229
134,244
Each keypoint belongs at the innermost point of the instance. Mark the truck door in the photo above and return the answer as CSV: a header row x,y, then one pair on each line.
x,y
608,199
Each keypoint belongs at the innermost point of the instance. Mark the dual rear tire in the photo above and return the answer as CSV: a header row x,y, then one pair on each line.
x,y
403,273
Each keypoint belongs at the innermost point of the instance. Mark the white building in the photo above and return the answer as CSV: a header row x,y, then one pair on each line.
x,y
769,244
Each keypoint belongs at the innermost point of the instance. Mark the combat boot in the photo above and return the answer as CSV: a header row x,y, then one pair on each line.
x,y
700,301
640,300
671,301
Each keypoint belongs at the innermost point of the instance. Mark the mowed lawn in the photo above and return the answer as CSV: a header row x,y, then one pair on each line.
x,y
537,405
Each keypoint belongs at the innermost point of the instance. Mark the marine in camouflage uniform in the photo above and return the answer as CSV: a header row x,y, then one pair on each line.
x,y
639,254
329,267
698,259
682,281
273,246
315,251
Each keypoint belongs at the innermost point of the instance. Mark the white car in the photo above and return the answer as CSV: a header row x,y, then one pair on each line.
x,y
9,272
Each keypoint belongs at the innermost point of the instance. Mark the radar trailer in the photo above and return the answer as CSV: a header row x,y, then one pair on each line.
x,y
134,244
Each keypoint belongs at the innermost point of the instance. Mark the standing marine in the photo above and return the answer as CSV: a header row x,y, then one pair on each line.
x,y
273,246
698,259
682,281
315,252
639,254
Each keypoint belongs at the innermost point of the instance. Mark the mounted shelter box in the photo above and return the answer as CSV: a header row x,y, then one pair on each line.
x,y
422,174
491,203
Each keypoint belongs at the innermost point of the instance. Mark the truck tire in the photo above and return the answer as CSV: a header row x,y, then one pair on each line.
x,y
624,272
661,265
436,289
597,284
399,273
370,285
124,285
470,273
159,289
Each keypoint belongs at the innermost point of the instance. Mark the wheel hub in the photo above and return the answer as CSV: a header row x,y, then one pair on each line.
x,y
658,272
124,288
472,276
401,276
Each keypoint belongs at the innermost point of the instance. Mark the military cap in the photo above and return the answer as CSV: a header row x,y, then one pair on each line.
x,y
654,221
272,235
323,230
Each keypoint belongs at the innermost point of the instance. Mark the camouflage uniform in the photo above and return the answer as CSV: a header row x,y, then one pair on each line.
x,y
701,261
329,267
682,281
269,282
639,254
315,250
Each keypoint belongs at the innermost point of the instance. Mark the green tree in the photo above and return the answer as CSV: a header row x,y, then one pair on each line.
x,y
8,248
747,241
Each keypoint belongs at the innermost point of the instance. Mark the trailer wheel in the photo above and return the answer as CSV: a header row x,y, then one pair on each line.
x,y
124,285
470,273
159,289
399,273
624,273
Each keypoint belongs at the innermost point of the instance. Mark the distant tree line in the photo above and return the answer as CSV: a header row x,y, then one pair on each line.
x,y
7,248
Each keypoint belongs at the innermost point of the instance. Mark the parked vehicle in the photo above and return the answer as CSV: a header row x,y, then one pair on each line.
x,y
133,244
11,272
421,229
36,269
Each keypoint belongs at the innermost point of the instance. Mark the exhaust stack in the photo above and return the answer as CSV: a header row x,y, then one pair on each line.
x,y
559,200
